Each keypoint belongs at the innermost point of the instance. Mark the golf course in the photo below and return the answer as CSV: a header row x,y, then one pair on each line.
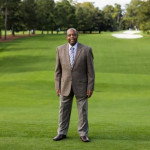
x,y
118,111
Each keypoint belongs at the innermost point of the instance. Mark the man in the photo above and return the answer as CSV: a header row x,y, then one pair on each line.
x,y
74,75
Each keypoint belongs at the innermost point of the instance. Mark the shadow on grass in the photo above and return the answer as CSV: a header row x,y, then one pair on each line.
x,y
93,137
3,46
22,49
24,63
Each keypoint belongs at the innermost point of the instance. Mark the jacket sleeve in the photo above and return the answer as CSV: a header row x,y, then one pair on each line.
x,y
58,71
90,70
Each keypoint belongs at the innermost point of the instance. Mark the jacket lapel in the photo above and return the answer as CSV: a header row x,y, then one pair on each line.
x,y
67,54
79,48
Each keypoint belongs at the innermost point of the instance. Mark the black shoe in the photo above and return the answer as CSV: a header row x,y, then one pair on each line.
x,y
84,138
59,137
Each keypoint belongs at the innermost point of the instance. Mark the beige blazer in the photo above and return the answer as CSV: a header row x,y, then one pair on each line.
x,y
81,77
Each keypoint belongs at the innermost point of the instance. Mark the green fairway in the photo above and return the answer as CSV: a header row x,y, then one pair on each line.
x,y
119,110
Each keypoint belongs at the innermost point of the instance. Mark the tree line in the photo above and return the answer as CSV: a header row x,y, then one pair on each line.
x,y
48,15
138,15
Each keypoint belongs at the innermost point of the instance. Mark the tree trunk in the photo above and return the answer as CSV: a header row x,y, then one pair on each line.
x,y
5,19
42,31
51,31
12,30
33,31
0,33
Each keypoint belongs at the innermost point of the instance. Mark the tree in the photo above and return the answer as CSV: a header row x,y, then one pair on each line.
x,y
41,15
6,8
132,13
45,15
50,15
64,15
29,9
1,16
108,18
144,16
117,16
85,15
14,16
138,15
99,21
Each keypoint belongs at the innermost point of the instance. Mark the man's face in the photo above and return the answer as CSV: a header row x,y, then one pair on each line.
x,y
72,37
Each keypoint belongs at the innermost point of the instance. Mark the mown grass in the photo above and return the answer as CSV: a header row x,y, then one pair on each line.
x,y
118,111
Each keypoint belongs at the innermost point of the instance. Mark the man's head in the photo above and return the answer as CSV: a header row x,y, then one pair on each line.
x,y
72,36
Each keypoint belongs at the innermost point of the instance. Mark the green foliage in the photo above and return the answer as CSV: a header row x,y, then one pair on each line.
x,y
138,15
29,12
50,15
45,15
112,17
144,16
85,13
131,16
64,15
117,16
13,15
99,22
108,16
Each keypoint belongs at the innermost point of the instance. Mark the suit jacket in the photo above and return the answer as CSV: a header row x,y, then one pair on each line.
x,y
81,77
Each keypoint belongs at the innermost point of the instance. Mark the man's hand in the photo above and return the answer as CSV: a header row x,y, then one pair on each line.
x,y
89,93
58,92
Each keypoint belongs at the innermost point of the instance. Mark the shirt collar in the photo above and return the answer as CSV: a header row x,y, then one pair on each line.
x,y
75,46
